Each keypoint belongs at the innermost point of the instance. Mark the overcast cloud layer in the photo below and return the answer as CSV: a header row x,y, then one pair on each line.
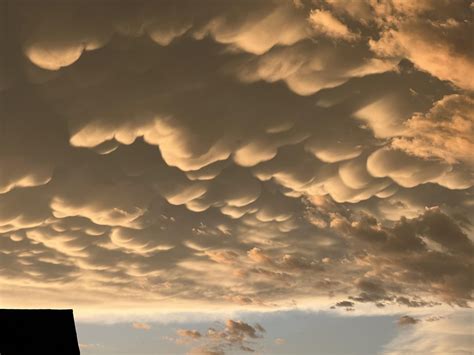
x,y
201,154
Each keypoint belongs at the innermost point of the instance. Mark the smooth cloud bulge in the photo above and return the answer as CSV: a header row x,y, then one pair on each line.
x,y
246,156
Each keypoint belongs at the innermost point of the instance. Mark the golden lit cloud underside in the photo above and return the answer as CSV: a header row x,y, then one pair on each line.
x,y
190,155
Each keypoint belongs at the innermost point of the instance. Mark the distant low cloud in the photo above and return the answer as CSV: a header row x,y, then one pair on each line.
x,y
345,304
448,335
141,326
407,320
88,346
280,341
236,335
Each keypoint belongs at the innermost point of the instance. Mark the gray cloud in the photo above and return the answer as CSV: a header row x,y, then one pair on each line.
x,y
407,320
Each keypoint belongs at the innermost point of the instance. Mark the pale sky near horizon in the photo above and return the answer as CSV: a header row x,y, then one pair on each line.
x,y
290,332
287,332
241,160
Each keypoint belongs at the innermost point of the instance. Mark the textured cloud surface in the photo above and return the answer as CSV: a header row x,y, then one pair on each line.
x,y
261,154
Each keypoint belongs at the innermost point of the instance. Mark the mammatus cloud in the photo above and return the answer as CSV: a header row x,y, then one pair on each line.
x,y
235,335
263,155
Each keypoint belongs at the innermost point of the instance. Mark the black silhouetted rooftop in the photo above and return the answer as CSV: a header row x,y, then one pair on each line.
x,y
43,331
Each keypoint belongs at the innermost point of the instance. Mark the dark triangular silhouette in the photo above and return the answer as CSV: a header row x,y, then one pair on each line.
x,y
42,331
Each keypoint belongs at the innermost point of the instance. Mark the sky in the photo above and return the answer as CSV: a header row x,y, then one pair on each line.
x,y
286,332
227,177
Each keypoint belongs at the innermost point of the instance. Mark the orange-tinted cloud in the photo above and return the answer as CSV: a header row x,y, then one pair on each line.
x,y
205,155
